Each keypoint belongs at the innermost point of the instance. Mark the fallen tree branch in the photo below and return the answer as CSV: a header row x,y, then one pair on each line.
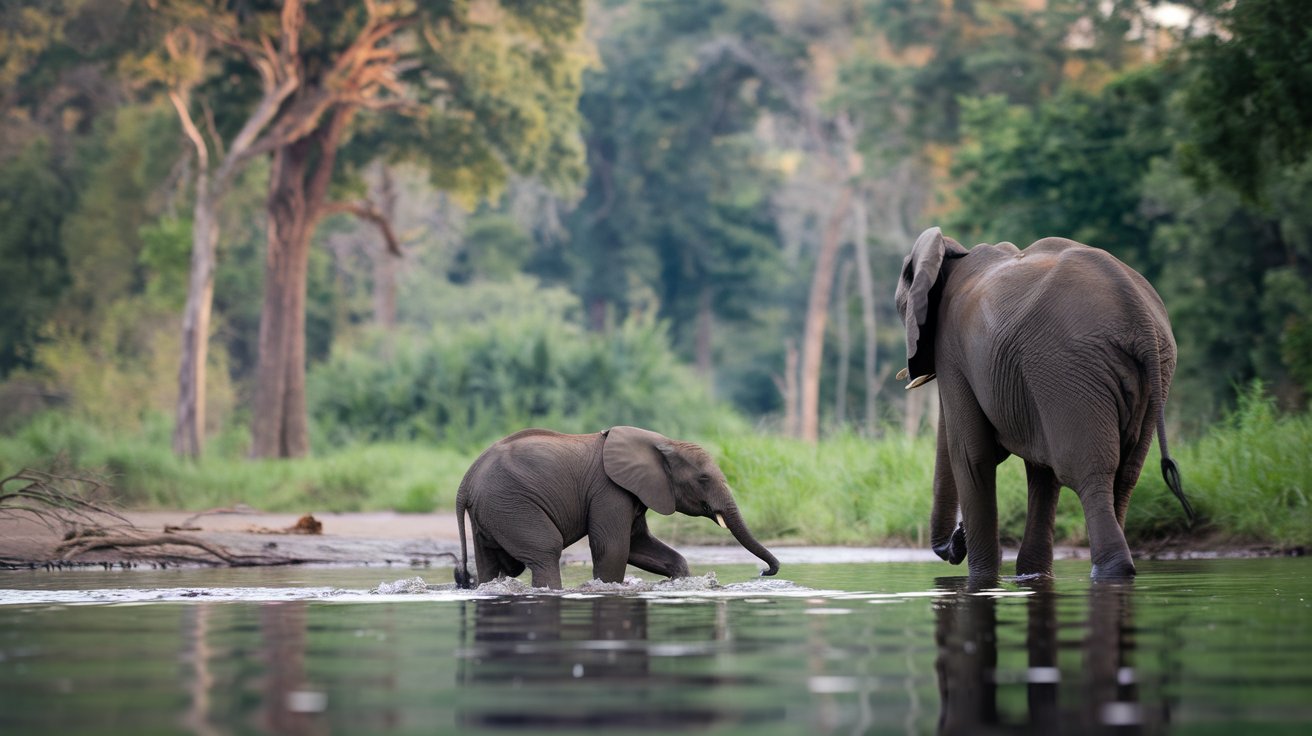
x,y
75,547
43,499
63,504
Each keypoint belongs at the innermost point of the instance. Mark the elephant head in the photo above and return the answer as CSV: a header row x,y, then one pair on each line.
x,y
668,475
916,297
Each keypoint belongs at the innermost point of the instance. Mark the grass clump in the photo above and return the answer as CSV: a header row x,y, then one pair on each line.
x,y
1249,478
145,474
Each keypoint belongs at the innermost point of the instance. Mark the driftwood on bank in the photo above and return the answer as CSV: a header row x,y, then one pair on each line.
x,y
67,505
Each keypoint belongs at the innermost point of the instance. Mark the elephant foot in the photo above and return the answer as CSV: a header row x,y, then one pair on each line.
x,y
1118,570
953,550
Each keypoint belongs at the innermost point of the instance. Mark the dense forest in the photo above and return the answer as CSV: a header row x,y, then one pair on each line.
x,y
277,226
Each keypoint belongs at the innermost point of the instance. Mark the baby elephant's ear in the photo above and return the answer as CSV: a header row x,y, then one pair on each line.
x,y
634,462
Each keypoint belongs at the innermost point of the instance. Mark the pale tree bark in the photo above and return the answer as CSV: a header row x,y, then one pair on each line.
x,y
817,316
705,326
304,143
298,186
866,287
384,257
787,385
844,344
278,82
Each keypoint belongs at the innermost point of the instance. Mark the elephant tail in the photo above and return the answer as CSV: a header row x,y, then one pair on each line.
x,y
462,565
1170,471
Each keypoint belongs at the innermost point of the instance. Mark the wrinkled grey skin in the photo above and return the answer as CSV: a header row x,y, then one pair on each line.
x,y
1059,354
534,493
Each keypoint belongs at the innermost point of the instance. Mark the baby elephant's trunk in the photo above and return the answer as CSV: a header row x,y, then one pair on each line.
x,y
734,522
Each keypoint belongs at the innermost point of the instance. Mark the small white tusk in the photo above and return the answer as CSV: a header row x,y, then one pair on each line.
x,y
902,374
719,519
920,381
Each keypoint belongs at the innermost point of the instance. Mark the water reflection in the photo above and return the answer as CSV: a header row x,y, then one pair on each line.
x,y
978,668
571,663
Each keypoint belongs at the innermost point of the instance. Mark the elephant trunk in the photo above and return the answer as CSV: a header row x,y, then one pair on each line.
x,y
733,521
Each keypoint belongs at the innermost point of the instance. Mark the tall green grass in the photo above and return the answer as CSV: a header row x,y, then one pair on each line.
x,y
144,473
1249,478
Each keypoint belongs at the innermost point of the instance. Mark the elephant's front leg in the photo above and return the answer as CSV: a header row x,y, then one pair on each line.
x,y
610,525
973,450
946,537
1035,556
651,554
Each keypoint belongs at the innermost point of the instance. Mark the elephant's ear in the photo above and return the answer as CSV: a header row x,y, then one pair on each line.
x,y
633,459
920,272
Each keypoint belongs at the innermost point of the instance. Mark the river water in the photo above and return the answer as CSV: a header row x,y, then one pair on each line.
x,y
1211,646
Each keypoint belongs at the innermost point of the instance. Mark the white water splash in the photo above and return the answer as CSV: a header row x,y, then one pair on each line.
x,y
700,587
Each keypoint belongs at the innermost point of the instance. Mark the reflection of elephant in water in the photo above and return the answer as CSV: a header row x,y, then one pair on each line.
x,y
528,641
975,668
1060,354
536,492
586,664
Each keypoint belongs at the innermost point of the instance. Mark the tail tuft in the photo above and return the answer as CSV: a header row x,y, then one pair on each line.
x,y
1171,474
462,577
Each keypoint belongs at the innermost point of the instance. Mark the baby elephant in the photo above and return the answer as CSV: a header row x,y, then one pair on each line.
x,y
534,493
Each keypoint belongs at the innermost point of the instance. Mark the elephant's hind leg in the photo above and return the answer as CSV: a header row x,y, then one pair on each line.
x,y
651,554
1035,556
533,542
493,561
1107,547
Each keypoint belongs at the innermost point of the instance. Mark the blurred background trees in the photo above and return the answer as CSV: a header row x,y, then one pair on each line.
x,y
685,215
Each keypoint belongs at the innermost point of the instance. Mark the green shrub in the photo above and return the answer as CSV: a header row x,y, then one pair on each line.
x,y
1249,478
471,383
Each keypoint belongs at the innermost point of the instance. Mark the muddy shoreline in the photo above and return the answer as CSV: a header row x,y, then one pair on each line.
x,y
415,540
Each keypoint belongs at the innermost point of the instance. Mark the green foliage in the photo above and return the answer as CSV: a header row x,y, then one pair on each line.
x,y
35,271
1249,477
144,473
494,248
471,381
1249,102
166,255
1072,165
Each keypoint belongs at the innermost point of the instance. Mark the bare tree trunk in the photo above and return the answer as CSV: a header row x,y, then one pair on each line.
x,y
279,424
787,386
705,325
189,427
912,411
384,261
844,344
279,78
598,314
817,315
866,284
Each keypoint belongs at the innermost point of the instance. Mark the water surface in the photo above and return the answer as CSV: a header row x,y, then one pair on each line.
x,y
1216,646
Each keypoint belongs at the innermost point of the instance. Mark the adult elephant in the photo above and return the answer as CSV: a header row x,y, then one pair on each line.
x,y
1059,354
534,493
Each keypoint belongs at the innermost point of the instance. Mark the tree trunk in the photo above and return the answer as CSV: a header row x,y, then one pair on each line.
x,y
844,345
189,427
705,324
866,284
817,315
384,261
298,189
787,385
279,424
